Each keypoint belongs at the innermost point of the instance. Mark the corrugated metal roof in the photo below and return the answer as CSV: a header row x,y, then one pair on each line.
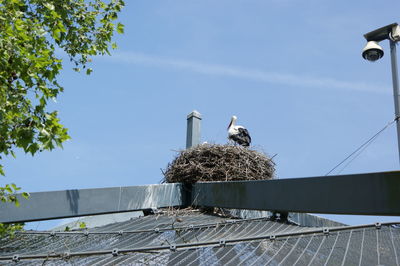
x,y
193,238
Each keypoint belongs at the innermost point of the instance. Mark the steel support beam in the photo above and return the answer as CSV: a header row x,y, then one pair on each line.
x,y
82,202
364,194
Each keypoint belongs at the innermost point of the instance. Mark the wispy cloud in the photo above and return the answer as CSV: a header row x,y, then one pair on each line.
x,y
243,73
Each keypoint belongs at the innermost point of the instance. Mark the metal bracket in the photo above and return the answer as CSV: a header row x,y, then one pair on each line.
x,y
114,252
172,247
273,237
66,255
15,258
325,231
378,225
120,232
222,243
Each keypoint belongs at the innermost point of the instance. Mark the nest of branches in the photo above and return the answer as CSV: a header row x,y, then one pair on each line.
x,y
213,162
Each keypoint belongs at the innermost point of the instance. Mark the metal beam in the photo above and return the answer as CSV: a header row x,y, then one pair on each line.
x,y
368,194
82,202
364,194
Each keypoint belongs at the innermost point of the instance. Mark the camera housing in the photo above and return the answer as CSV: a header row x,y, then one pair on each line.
x,y
372,51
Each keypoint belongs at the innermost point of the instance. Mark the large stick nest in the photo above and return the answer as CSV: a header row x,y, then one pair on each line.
x,y
213,162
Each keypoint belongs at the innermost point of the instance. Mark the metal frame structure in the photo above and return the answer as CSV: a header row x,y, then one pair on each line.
x,y
189,245
368,194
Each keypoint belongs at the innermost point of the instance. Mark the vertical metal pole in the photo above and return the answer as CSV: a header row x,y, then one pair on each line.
x,y
193,135
396,94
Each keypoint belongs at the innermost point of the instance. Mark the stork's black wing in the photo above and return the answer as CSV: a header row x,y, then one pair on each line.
x,y
243,138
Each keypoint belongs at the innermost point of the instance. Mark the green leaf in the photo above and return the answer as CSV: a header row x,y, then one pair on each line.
x,y
120,28
10,229
8,188
82,225
49,6
89,71
16,202
33,148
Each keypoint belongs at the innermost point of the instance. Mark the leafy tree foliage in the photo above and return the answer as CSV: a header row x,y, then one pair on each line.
x,y
7,194
32,35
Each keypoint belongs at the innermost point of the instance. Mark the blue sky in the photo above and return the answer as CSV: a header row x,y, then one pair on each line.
x,y
290,70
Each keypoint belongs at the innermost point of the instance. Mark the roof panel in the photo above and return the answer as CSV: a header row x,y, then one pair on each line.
x,y
192,238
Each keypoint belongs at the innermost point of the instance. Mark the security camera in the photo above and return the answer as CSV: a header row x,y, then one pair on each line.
x,y
372,51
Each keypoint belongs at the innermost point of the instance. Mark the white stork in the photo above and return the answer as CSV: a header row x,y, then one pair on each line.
x,y
238,134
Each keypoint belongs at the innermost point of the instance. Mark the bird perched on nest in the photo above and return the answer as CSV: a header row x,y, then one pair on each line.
x,y
238,134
